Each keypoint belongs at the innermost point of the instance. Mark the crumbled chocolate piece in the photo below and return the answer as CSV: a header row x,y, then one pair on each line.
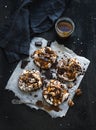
x,y
54,65
49,43
47,107
42,78
70,85
65,56
78,92
51,107
70,103
24,63
39,103
38,43
30,94
35,96
61,71
45,83
48,74
82,73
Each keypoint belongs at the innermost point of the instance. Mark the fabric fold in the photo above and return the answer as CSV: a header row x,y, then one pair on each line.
x,y
32,17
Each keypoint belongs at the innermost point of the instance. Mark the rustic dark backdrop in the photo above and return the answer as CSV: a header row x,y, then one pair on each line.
x,y
83,42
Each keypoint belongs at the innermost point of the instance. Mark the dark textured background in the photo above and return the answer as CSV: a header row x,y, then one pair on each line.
x,y
83,42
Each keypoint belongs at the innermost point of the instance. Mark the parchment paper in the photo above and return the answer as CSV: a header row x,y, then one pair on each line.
x,y
61,50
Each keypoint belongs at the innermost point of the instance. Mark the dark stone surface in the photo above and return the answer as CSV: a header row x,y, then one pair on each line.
x,y
83,42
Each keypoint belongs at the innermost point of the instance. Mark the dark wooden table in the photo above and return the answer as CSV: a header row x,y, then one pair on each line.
x,y
83,42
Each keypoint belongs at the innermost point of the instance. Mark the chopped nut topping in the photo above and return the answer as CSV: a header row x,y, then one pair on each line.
x,y
70,103
78,92
70,85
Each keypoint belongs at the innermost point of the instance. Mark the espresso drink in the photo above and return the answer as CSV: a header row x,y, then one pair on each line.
x,y
65,26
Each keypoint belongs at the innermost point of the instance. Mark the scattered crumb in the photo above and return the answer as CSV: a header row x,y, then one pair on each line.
x,y
6,6
10,71
93,102
74,42
1,76
81,43
24,63
60,124
70,103
70,85
35,95
68,124
81,50
6,117
78,39
6,17
78,92
38,43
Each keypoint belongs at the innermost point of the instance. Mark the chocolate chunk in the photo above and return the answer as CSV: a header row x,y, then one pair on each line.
x,y
38,43
48,74
35,95
70,103
78,92
54,65
45,83
51,107
49,43
24,63
39,103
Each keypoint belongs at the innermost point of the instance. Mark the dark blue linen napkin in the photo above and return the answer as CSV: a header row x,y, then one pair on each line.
x,y
32,17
